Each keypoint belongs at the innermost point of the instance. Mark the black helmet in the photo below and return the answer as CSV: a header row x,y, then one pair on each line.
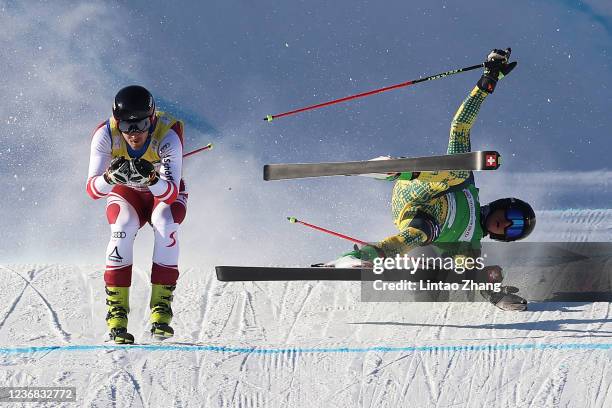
x,y
520,215
133,103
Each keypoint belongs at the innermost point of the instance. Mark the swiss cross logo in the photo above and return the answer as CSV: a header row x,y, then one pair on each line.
x,y
491,160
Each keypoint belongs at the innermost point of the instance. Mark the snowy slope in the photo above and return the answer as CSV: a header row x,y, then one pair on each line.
x,y
300,344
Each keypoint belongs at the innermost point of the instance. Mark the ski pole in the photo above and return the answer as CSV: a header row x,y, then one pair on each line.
x,y
337,234
269,118
207,147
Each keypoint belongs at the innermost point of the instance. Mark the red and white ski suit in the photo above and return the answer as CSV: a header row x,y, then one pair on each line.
x,y
162,205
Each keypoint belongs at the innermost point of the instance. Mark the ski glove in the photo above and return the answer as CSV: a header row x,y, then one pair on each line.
x,y
366,253
496,67
118,171
142,172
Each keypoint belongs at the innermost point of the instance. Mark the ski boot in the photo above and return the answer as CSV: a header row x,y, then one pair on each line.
x,y
161,311
120,336
118,302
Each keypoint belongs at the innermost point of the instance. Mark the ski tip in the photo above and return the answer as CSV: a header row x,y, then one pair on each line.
x,y
292,219
269,118
220,276
266,172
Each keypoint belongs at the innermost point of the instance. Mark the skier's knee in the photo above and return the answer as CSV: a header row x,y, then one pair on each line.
x,y
123,214
166,235
165,214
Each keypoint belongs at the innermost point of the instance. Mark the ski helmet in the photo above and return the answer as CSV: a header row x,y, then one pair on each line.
x,y
520,215
133,103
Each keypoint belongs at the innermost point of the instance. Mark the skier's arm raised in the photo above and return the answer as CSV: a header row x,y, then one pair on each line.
x,y
496,67
461,125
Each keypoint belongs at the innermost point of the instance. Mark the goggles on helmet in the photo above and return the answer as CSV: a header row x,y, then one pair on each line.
x,y
516,218
520,217
134,126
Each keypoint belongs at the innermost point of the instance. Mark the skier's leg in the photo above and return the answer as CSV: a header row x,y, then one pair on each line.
x,y
122,211
165,220
409,237
414,230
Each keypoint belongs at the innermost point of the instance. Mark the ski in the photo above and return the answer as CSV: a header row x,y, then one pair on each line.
x,y
264,273
273,273
472,161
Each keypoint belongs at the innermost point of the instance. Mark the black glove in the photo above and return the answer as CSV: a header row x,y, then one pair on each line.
x,y
118,171
496,67
489,274
142,172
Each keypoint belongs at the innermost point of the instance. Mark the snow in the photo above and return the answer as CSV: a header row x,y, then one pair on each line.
x,y
297,344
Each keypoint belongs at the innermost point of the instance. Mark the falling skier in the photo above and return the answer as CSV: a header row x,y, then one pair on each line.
x,y
136,163
443,207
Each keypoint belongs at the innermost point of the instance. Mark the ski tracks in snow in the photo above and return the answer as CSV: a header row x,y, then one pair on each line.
x,y
120,388
305,315
294,300
32,275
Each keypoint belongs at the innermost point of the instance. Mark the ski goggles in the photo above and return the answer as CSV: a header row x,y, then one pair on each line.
x,y
134,126
517,223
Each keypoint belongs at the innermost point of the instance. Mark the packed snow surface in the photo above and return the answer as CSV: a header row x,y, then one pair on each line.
x,y
297,344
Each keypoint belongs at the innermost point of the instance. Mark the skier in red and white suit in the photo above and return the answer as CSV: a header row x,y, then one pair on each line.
x,y
136,164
